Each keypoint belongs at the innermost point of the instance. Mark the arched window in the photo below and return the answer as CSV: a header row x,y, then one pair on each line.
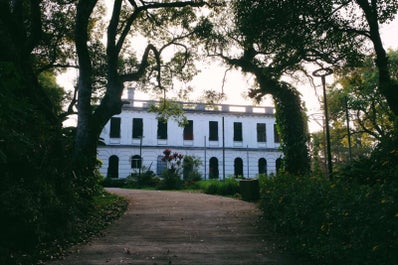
x,y
136,162
238,167
161,165
213,168
262,166
113,167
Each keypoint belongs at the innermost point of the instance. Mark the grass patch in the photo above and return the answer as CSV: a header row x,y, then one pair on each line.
x,y
227,187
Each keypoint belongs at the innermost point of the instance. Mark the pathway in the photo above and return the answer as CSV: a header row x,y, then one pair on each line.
x,y
165,227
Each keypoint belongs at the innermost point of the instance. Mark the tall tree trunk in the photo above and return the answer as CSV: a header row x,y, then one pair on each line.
x,y
289,113
292,123
86,136
293,128
387,87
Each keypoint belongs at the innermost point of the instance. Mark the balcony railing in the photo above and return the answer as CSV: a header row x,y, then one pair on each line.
x,y
191,106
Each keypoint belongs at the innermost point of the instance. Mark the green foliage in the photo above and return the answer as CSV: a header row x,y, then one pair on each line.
x,y
170,180
146,179
40,196
293,129
190,170
372,119
104,209
167,109
334,222
227,187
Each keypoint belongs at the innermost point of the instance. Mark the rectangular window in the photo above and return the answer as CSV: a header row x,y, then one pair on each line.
x,y
137,128
238,131
277,138
188,130
115,128
162,130
261,133
213,131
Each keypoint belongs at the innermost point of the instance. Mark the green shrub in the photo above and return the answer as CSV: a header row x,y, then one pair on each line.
x,y
142,180
227,187
114,182
170,180
334,221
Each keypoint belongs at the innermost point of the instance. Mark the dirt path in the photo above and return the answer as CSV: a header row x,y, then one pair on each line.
x,y
164,227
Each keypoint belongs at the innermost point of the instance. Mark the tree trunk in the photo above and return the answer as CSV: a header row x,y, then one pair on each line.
x,y
293,128
291,122
387,87
289,113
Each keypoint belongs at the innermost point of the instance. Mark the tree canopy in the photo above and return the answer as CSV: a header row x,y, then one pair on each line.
x,y
330,33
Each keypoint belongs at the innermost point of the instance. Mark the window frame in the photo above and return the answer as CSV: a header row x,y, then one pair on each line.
x,y
261,132
188,131
115,127
238,132
213,131
162,131
138,128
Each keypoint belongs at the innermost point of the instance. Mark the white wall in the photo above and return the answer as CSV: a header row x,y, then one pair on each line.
x,y
151,147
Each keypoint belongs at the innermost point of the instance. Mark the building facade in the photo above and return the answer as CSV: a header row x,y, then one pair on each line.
x,y
229,140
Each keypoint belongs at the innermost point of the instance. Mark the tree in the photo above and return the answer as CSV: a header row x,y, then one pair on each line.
x,y
37,199
371,120
241,47
332,32
159,21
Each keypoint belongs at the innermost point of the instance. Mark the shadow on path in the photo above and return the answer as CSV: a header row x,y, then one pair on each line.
x,y
165,227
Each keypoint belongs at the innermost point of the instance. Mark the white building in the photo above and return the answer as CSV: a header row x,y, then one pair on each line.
x,y
228,139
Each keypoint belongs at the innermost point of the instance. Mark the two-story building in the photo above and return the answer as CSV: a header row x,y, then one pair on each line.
x,y
228,139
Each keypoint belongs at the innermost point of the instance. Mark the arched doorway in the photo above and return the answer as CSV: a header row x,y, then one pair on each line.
x,y
113,167
213,168
238,167
262,166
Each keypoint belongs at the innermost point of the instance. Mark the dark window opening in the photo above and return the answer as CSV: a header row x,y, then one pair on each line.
x,y
213,131
213,168
238,131
261,133
162,130
115,128
188,131
137,127
238,167
262,166
136,161
113,167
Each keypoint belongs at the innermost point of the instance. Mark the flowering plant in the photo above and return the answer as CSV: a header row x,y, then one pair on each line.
x,y
171,175
174,160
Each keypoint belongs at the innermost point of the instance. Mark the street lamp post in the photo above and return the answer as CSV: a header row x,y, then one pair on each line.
x,y
322,73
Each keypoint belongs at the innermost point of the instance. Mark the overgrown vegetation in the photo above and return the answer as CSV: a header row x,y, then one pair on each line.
x,y
334,221
104,209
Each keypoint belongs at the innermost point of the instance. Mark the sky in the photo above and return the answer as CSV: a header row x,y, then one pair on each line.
x,y
236,85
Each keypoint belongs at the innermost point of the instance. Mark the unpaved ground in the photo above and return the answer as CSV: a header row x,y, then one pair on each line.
x,y
164,227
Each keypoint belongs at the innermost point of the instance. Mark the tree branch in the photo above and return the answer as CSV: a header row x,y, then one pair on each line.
x,y
144,64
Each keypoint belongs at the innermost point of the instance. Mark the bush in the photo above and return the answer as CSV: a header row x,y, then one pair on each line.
x,y
114,182
170,180
146,179
227,187
334,221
